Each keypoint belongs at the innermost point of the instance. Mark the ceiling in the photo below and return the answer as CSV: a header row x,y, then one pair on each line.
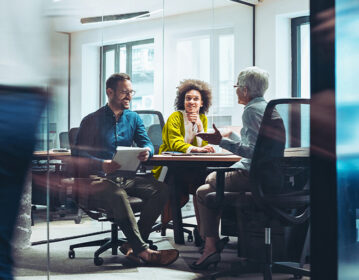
x,y
67,13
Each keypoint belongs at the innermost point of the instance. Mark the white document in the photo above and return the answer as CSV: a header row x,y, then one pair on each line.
x,y
127,157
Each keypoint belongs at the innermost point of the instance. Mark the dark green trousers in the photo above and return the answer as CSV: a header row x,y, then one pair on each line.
x,y
112,196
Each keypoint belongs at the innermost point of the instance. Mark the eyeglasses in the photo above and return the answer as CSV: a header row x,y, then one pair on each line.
x,y
236,86
130,93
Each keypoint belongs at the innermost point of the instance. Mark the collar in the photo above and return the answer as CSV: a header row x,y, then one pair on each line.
x,y
255,100
109,112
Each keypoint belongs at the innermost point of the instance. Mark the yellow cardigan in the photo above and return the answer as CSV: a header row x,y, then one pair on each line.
x,y
173,134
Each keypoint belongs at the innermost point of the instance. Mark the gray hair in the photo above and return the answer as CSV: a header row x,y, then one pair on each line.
x,y
255,80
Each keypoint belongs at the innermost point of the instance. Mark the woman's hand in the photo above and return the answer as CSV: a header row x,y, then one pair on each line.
x,y
205,149
194,118
209,149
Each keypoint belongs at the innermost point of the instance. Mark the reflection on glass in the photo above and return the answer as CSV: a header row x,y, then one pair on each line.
x,y
347,124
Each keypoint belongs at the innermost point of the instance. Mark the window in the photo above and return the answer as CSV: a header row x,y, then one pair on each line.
x,y
300,57
300,76
137,60
210,57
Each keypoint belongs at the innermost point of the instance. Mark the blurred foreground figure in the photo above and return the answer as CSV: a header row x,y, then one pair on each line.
x,y
22,61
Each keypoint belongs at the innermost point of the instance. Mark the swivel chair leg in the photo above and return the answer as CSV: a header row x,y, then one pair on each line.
x,y
114,238
267,272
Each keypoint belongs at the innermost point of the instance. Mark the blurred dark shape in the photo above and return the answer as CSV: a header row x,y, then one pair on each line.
x,y
20,111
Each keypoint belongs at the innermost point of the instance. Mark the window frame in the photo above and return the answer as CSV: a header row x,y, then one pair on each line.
x,y
295,124
116,48
296,23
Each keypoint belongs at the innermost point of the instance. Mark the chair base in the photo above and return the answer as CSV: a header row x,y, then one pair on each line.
x,y
191,235
107,243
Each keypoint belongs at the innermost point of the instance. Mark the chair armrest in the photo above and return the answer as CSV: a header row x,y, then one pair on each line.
x,y
220,171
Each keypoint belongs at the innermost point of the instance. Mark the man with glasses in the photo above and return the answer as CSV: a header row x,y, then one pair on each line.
x,y
99,134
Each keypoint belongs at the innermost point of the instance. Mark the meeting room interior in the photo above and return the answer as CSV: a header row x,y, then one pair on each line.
x,y
299,219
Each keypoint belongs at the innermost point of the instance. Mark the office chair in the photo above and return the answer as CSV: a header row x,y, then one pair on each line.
x,y
97,214
279,192
64,140
154,122
112,242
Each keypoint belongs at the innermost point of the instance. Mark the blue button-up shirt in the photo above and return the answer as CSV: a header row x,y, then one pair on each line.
x,y
251,119
100,134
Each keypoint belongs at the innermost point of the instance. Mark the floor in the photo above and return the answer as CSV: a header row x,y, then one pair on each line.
x,y
32,263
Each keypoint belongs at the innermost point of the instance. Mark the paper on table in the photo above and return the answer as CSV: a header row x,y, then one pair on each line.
x,y
127,157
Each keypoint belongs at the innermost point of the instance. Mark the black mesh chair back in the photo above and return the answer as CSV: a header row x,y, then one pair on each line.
x,y
72,136
154,123
272,174
64,140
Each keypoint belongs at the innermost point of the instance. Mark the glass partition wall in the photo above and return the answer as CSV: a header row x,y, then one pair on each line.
x,y
159,43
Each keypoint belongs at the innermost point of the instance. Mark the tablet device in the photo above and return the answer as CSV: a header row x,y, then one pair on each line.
x,y
127,157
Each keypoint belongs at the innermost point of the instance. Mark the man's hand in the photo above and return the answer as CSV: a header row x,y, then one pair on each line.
x,y
212,138
143,156
109,166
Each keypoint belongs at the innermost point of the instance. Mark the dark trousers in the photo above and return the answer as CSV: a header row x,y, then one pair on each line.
x,y
20,110
113,198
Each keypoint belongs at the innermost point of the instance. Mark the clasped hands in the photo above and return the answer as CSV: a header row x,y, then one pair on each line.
x,y
109,166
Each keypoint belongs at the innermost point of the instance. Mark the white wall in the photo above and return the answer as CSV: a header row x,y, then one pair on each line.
x,y
58,108
273,47
85,64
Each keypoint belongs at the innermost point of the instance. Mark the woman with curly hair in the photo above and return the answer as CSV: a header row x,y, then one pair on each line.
x,y
193,99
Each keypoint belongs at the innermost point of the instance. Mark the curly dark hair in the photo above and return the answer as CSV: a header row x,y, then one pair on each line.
x,y
189,84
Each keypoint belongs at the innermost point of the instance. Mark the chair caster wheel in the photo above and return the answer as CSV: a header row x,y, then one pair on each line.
x,y
98,261
190,238
71,254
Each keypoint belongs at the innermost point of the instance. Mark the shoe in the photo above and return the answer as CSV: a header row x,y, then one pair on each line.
x,y
124,248
130,255
220,244
162,258
212,259
135,260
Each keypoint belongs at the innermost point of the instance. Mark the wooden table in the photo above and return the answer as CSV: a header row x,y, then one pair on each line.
x,y
175,163
52,154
